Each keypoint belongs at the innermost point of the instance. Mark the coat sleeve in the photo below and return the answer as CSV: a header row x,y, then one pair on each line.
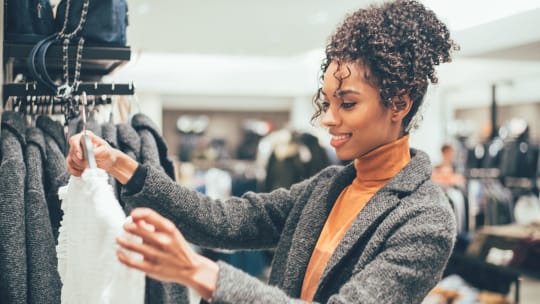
x,y
252,221
408,265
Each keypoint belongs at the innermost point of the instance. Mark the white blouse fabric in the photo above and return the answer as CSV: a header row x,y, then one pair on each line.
x,y
86,250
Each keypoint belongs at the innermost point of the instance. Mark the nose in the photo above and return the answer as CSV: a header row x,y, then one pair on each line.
x,y
330,118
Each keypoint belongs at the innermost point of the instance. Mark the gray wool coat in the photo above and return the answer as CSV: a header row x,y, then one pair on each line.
x,y
394,252
153,146
13,267
129,141
55,172
44,283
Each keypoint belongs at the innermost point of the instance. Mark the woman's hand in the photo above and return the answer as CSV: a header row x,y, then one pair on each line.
x,y
113,161
167,256
105,155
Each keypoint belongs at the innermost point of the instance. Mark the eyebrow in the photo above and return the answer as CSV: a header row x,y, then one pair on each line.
x,y
341,93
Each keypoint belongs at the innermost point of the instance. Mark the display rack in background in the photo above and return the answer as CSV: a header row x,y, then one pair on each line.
x,y
503,175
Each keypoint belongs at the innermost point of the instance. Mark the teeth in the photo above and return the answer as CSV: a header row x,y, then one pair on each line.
x,y
339,137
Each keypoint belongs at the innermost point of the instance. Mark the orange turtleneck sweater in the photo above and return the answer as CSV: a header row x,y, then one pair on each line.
x,y
373,171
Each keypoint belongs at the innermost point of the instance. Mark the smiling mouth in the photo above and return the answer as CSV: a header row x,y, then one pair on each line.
x,y
338,140
341,137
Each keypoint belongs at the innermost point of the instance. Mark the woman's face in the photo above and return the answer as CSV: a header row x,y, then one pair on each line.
x,y
353,112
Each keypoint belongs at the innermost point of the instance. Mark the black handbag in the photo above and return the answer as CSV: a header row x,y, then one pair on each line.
x,y
80,20
28,21
106,21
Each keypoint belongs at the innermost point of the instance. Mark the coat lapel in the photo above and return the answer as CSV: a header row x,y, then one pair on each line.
x,y
309,227
379,206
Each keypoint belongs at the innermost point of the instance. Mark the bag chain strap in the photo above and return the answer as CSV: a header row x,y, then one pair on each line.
x,y
82,21
65,90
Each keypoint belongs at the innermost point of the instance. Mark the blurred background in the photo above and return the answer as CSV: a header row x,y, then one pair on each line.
x,y
229,86
259,56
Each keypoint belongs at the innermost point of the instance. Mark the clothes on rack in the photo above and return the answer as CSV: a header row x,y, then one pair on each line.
x,y
460,206
130,143
43,279
31,209
128,140
490,203
519,159
290,157
87,262
108,133
153,146
153,151
56,174
13,261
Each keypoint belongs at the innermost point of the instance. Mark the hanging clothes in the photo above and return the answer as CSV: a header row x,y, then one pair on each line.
x,y
153,151
289,157
56,173
87,262
460,207
43,280
13,265
109,134
153,146
129,142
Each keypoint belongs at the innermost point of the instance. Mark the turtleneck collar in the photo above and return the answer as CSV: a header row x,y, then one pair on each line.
x,y
384,162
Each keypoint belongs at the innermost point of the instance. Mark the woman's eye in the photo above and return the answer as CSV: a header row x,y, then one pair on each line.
x,y
347,105
325,105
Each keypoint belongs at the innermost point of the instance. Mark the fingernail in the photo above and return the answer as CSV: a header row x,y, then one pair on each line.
x,y
79,155
129,226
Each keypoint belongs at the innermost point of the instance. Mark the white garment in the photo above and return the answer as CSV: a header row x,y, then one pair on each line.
x,y
86,250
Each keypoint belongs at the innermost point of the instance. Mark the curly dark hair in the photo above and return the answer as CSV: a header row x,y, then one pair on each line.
x,y
399,43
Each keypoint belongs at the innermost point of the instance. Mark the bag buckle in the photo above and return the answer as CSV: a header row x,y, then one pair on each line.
x,y
64,91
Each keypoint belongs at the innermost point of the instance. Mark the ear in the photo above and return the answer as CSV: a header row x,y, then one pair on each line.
x,y
401,105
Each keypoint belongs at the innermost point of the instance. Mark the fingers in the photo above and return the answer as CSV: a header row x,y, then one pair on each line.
x,y
75,166
96,140
142,265
153,218
75,149
149,253
75,160
155,239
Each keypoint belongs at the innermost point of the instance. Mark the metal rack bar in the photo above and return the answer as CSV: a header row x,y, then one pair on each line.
x,y
35,89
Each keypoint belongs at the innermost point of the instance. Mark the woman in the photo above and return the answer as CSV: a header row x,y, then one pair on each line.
x,y
375,231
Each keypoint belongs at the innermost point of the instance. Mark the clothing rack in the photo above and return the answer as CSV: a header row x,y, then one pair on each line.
x,y
95,88
97,62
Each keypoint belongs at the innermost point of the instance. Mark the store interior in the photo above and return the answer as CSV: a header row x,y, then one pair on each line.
x,y
223,81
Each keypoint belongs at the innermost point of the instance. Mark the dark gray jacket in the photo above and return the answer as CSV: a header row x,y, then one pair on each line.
x,y
13,268
56,174
153,147
108,133
129,141
394,252
43,279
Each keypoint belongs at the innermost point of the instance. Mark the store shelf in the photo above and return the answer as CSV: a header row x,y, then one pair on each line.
x,y
97,60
